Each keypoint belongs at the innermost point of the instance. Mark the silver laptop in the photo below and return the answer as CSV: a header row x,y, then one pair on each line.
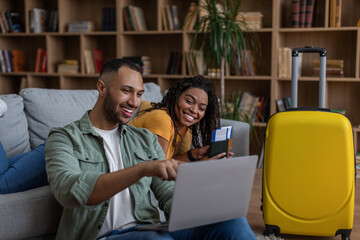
x,y
208,192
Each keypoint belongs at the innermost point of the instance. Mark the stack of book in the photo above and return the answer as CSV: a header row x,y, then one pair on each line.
x,y
170,19
38,20
302,13
68,66
247,66
94,61
108,22
134,19
41,60
12,61
253,108
84,26
143,62
334,67
252,19
174,64
191,17
10,22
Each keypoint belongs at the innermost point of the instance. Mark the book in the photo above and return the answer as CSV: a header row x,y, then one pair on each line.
x,y
129,18
2,62
105,19
221,141
190,17
112,23
84,26
295,13
143,62
67,68
2,24
341,111
252,19
9,61
309,13
18,60
89,62
98,59
15,23
140,19
43,67
333,67
127,25
6,23
169,17
164,19
175,17
280,105
338,13
335,13
285,62
37,20
53,21
38,61
302,13
133,17
171,63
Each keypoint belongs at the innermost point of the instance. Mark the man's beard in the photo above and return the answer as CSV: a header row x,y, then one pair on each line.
x,y
109,107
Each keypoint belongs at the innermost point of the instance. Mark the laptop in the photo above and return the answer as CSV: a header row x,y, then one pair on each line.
x,y
209,192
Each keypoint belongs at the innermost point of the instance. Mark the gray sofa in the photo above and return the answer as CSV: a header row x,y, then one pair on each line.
x,y
35,214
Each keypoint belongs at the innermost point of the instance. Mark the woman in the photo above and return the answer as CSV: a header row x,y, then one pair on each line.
x,y
187,115
24,171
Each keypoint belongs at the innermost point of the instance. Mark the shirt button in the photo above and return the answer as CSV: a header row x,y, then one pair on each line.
x,y
149,156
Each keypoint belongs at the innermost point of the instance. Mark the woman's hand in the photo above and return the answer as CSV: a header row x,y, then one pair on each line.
x,y
203,154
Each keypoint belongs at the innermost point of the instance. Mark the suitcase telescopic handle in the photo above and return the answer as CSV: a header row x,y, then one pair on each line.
x,y
294,74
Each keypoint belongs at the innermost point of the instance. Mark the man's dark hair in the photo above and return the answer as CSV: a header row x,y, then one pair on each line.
x,y
202,131
113,65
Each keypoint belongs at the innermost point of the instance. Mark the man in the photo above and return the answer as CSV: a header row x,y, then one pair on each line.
x,y
101,170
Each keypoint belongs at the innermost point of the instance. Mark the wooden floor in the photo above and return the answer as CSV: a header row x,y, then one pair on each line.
x,y
256,221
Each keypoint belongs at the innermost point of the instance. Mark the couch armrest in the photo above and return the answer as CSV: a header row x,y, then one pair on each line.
x,y
240,135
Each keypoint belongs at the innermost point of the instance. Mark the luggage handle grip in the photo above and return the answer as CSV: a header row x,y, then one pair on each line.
x,y
294,73
309,49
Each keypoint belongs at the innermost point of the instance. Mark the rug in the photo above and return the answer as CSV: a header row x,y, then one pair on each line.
x,y
270,237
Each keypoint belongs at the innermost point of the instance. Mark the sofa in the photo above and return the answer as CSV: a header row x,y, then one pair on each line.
x,y
35,214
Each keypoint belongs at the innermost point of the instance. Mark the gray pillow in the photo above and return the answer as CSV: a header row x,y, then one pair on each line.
x,y
14,134
48,108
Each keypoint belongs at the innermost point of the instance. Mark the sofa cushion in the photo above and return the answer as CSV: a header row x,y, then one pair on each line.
x,y
48,108
14,135
28,214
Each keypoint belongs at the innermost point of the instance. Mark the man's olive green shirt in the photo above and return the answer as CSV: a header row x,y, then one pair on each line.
x,y
75,158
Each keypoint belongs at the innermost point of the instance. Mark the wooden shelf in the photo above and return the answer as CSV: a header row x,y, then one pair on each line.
x,y
341,43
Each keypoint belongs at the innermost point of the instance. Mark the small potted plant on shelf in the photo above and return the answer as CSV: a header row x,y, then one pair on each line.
x,y
223,36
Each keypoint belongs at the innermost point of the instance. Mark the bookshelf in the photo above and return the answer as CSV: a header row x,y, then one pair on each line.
x,y
341,42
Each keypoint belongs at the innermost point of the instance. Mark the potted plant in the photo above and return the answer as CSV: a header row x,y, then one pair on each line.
x,y
222,36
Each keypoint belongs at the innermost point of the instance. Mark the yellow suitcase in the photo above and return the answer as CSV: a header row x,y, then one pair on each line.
x,y
308,172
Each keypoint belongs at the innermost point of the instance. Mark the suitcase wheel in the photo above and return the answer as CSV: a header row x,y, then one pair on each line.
x,y
345,233
271,229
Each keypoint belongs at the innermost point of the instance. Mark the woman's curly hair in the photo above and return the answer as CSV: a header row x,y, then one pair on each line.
x,y
201,131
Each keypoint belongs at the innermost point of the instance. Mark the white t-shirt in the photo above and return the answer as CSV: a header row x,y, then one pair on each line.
x,y
121,210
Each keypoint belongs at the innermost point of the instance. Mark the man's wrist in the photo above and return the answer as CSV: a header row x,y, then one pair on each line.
x,y
190,156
